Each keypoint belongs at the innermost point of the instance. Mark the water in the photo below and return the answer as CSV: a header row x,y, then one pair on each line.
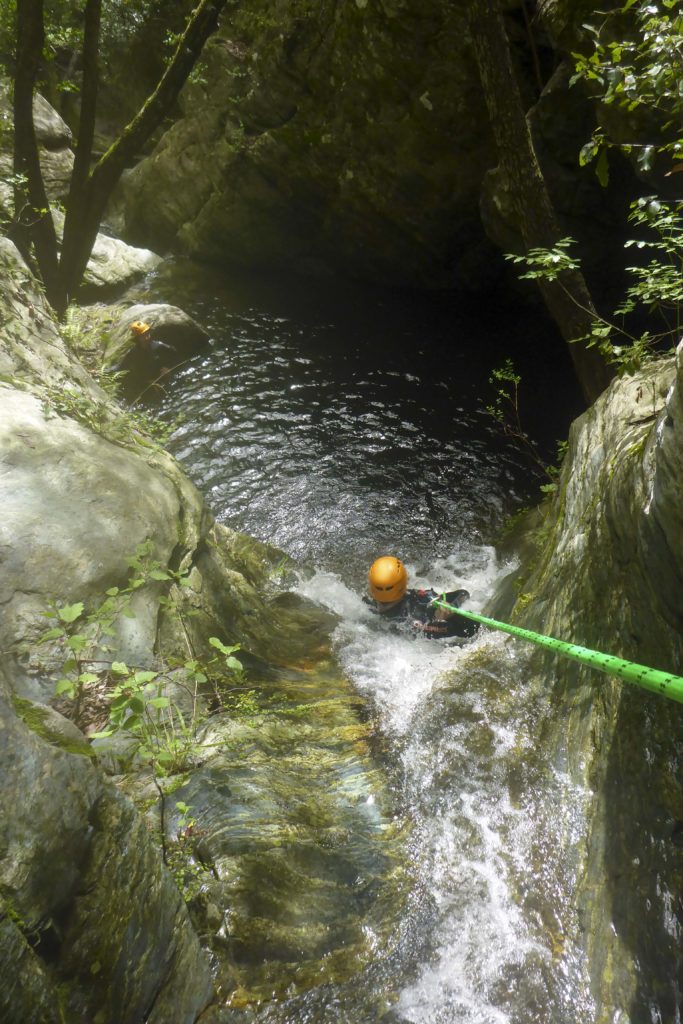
x,y
339,425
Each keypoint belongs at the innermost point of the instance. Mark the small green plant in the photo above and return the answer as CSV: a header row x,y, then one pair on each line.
x,y
134,700
279,571
546,264
505,411
128,428
180,857
633,59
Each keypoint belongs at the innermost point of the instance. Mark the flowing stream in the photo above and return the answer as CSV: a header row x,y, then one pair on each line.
x,y
340,424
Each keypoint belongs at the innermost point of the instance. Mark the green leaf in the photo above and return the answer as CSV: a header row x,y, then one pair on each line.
x,y
101,735
77,642
145,677
159,574
70,612
112,592
215,642
65,686
602,168
119,668
87,677
159,702
51,634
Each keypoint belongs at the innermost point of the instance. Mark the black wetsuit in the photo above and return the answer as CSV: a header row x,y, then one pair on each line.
x,y
146,363
416,611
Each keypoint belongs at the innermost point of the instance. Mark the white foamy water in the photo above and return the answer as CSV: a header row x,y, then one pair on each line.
x,y
398,669
471,845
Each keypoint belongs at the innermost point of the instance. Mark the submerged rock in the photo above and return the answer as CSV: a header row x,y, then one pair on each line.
x,y
299,855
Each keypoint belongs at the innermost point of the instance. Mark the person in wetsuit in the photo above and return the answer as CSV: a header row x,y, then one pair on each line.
x,y
414,609
147,363
152,352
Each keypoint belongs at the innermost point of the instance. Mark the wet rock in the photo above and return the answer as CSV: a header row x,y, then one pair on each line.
x,y
608,574
298,852
113,265
76,940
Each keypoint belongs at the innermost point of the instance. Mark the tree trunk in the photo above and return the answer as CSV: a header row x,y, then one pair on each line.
x,y
567,298
89,190
83,219
32,219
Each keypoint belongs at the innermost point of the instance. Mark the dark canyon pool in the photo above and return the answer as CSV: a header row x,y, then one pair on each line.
x,y
426,881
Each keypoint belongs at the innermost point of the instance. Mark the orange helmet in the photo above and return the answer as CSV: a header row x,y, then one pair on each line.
x,y
139,327
388,579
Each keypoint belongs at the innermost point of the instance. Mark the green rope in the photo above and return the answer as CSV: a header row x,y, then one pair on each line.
x,y
648,678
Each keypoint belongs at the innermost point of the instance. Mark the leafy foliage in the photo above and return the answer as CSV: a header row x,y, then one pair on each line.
x,y
136,699
547,264
635,61
654,296
126,427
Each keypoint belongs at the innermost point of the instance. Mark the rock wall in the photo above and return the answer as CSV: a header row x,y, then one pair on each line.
x,y
92,926
607,573
327,137
354,138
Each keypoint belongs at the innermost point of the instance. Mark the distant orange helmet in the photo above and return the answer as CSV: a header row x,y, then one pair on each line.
x,y
388,579
139,327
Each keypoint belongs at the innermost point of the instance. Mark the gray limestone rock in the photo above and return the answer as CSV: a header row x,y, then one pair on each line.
x,y
78,939
113,265
54,142
607,573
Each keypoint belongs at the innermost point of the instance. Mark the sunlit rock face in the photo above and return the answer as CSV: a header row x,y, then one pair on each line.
x,y
92,924
327,137
608,574
54,140
78,938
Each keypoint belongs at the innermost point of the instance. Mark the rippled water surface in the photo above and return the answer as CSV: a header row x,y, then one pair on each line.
x,y
340,424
